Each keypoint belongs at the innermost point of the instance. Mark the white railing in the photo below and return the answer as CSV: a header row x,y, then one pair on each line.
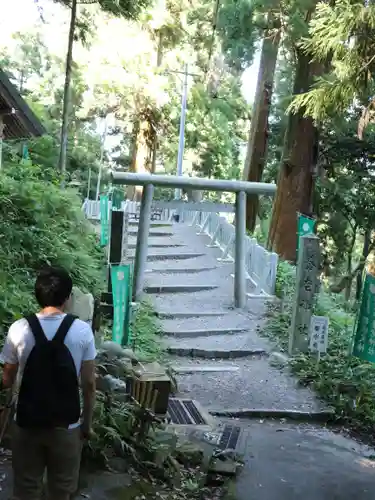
x,y
261,265
92,210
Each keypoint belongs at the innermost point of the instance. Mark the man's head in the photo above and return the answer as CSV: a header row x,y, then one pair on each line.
x,y
53,287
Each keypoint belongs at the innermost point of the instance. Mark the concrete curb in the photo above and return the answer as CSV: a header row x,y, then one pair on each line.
x,y
214,354
278,359
190,369
188,314
170,256
298,415
152,289
204,332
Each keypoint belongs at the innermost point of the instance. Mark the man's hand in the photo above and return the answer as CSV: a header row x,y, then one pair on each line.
x,y
86,432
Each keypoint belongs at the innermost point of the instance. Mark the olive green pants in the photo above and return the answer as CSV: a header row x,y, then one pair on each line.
x,y
56,451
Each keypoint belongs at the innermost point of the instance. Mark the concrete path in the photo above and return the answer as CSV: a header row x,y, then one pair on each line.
x,y
207,330
291,462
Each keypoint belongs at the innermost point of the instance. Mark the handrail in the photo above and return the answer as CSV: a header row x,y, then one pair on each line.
x,y
195,183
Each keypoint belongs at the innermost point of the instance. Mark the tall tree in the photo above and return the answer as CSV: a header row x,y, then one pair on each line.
x,y
258,135
125,8
297,170
67,90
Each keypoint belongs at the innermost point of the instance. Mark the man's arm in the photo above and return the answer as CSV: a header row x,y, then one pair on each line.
x,y
88,384
88,388
9,359
9,375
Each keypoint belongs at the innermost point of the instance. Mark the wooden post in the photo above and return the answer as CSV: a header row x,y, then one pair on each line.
x,y
307,286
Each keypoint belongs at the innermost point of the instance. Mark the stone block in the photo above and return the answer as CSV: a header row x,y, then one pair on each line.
x,y
81,305
227,468
189,454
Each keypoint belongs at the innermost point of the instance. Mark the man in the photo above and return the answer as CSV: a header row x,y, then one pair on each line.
x,y
47,352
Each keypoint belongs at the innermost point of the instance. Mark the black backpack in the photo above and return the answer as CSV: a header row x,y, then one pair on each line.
x,y
49,393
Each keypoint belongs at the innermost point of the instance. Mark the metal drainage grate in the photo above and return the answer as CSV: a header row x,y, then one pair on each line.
x,y
184,412
229,438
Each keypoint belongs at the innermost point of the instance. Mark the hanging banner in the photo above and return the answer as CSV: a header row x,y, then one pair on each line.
x,y
104,220
117,199
120,279
364,340
305,225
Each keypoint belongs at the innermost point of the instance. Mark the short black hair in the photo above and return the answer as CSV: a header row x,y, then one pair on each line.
x,y
53,287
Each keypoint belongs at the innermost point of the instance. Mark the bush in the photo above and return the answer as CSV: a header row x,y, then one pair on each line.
x,y
41,224
346,383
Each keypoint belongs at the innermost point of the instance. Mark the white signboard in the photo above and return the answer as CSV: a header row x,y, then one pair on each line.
x,y
318,335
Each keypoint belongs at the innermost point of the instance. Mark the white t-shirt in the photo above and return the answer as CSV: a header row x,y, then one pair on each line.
x,y
20,341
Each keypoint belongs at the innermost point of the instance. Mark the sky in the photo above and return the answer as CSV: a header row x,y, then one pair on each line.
x,y
22,15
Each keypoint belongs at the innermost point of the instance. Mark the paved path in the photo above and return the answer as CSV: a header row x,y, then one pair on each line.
x,y
254,384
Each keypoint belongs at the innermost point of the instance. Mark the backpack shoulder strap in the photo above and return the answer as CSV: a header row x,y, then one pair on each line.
x,y
64,328
36,328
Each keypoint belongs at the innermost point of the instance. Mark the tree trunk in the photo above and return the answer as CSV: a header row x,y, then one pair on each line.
x,y
154,149
348,288
67,92
140,156
295,184
365,253
258,135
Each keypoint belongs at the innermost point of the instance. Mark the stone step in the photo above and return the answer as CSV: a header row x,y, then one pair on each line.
x,y
182,270
231,321
169,256
215,354
205,332
153,234
322,415
155,289
239,341
188,314
158,245
152,224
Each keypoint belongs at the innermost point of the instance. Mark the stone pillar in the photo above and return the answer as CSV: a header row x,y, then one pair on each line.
x,y
239,258
142,246
307,287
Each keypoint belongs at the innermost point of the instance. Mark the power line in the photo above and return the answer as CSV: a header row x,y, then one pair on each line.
x,y
214,26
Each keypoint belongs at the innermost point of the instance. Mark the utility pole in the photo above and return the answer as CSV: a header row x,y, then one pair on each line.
x,y
181,141
104,136
89,185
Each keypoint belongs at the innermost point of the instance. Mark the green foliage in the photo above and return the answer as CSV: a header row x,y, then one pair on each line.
x,y
145,333
347,384
236,29
126,8
39,225
341,34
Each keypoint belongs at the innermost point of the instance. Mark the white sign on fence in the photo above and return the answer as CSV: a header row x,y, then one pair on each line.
x,y
318,335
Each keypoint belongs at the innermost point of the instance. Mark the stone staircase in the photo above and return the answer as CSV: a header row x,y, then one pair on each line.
x,y
220,359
